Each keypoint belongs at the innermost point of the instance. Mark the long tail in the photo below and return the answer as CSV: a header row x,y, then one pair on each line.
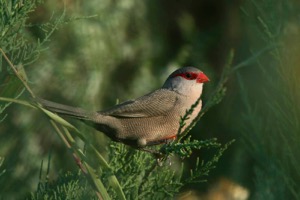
x,y
64,109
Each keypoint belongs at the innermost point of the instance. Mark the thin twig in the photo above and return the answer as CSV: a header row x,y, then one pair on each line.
x,y
24,103
17,73
86,169
253,57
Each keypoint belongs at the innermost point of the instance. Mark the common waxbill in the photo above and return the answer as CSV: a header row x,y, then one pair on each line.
x,y
150,119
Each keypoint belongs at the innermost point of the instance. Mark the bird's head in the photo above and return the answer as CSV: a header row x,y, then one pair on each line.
x,y
186,81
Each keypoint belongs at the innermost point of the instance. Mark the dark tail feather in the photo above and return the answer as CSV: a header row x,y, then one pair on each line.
x,y
64,109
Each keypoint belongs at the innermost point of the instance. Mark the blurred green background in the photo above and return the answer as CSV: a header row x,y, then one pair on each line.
x,y
107,50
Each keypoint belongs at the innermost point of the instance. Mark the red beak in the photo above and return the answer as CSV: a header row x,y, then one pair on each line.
x,y
202,78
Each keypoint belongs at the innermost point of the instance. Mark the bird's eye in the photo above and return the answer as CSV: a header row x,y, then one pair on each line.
x,y
188,75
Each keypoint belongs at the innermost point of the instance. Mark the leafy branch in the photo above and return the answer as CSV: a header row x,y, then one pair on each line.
x,y
70,143
203,168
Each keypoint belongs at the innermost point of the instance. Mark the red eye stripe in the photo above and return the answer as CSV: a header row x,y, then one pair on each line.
x,y
187,75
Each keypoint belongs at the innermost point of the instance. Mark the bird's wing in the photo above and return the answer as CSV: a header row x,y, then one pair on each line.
x,y
153,104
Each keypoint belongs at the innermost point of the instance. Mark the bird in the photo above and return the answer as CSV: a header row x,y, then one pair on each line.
x,y
151,119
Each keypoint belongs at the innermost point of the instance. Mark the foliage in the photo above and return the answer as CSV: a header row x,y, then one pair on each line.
x,y
70,185
270,125
15,40
23,49
139,174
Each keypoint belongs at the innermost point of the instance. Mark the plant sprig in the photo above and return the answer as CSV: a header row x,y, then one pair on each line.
x,y
69,142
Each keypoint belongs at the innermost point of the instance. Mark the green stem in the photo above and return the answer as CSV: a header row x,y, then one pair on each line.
x,y
17,74
24,103
112,178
